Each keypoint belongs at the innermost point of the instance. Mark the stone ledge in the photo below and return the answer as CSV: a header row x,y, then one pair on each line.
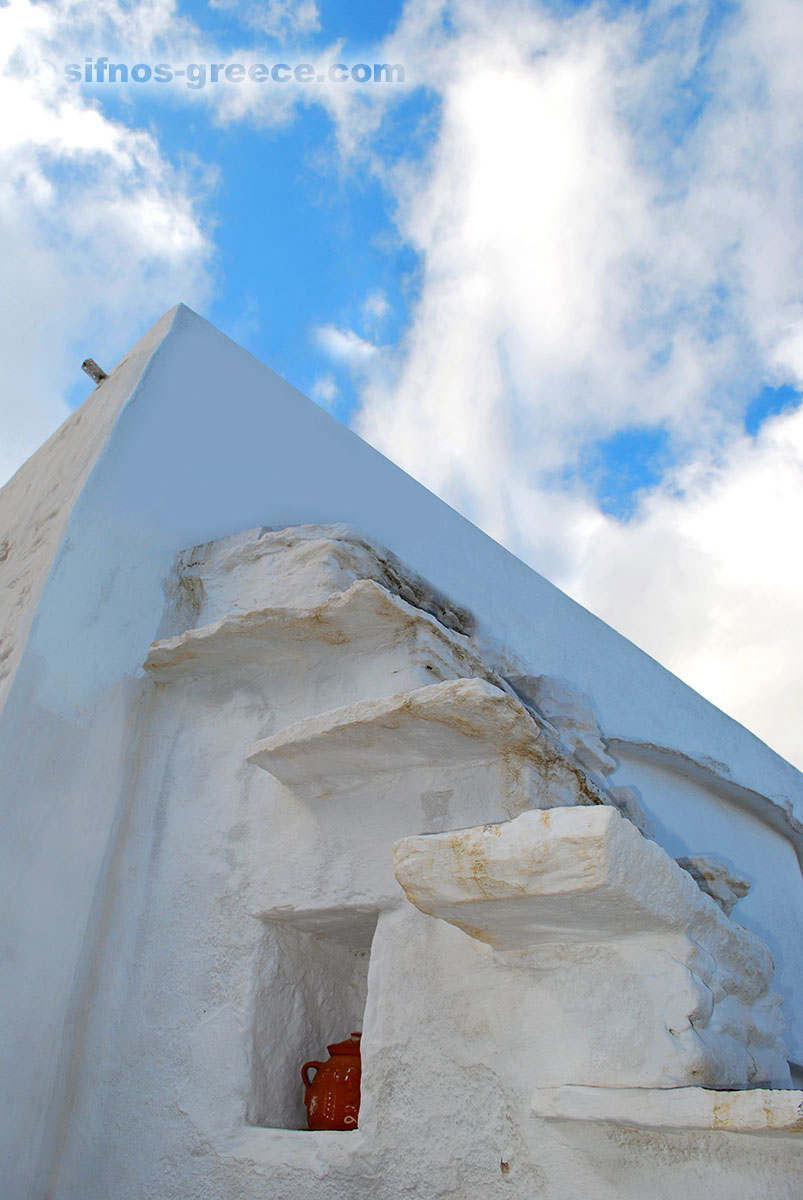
x,y
467,722
577,874
751,1111
696,982
352,925
298,566
366,613
316,1152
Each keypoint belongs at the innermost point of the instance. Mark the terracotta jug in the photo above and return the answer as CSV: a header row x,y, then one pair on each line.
x,y
333,1096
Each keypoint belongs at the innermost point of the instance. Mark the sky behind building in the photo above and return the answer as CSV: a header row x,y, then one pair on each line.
x,y
554,271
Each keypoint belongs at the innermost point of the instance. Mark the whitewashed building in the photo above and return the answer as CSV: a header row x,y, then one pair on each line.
x,y
289,749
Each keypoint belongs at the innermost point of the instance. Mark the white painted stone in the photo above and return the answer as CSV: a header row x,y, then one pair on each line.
x,y
365,612
465,733
716,879
184,927
300,567
754,1111
571,714
627,801
35,505
585,877
695,808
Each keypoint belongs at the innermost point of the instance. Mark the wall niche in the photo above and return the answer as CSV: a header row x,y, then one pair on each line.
x,y
310,989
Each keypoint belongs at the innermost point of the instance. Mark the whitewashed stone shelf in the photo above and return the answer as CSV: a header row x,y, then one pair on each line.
x,y
562,875
569,877
755,1110
187,931
458,726
365,613
299,1150
296,566
351,925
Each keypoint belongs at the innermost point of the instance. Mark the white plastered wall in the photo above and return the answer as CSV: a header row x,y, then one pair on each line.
x,y
205,442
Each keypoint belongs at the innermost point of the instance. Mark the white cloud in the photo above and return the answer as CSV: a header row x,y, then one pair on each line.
x,y
710,580
346,346
596,254
376,308
99,231
325,391
585,265
277,18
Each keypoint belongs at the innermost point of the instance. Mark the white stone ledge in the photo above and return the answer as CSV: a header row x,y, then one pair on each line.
x,y
462,721
689,979
751,1111
312,1151
558,876
366,613
352,925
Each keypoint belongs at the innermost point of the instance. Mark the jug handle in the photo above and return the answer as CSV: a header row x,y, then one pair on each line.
x,y
307,1082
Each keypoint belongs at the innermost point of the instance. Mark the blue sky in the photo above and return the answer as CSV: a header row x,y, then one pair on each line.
x,y
299,242
554,274
301,239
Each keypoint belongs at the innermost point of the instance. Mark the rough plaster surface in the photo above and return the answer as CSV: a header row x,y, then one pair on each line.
x,y
300,567
318,984
716,879
264,920
460,728
585,877
571,714
754,1111
167,896
696,814
364,611
35,504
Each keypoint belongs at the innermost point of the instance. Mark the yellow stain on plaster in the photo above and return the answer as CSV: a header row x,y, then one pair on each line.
x,y
722,1115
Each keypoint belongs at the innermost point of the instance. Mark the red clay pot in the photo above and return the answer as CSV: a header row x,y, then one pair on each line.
x,y
333,1096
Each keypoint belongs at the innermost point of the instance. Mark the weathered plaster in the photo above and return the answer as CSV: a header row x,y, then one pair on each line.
x,y
584,877
754,1111
35,505
155,871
